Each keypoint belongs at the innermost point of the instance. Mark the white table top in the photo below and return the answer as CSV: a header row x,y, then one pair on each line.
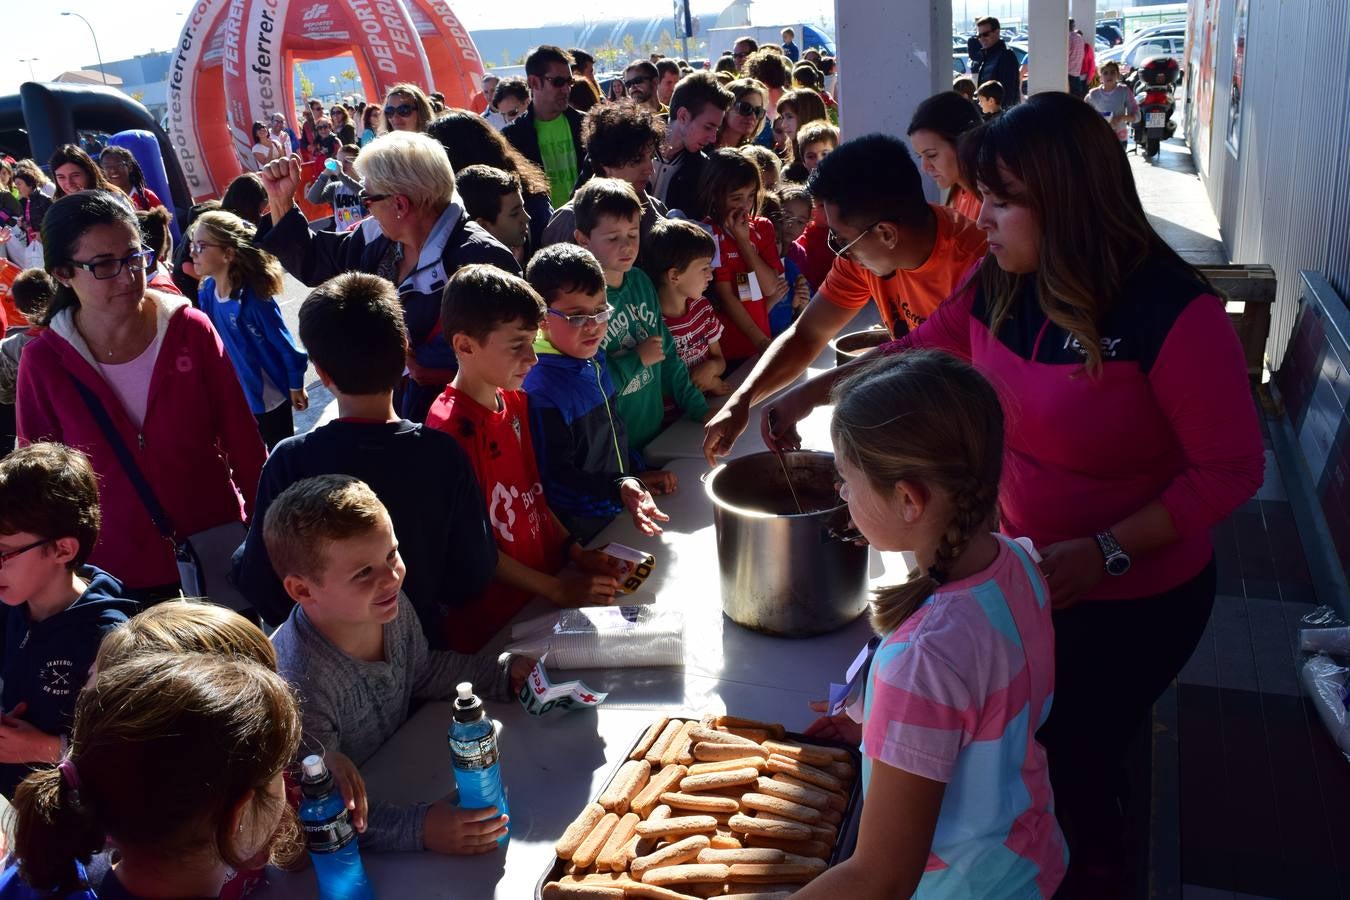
x,y
553,766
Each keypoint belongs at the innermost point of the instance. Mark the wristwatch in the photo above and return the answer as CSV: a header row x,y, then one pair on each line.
x,y
1117,560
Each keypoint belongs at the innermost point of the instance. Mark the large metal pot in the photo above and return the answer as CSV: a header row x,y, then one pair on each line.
x,y
785,573
848,347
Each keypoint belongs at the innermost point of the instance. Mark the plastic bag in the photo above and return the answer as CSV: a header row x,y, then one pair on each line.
x,y
604,637
1328,684
1335,641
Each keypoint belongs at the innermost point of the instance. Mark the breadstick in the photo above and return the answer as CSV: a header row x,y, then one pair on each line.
x,y
758,735
679,746
837,799
750,855
624,786
716,780
711,751
792,831
648,738
825,833
775,730
841,770
686,874
701,802
725,841
811,755
650,795
651,892
671,854
773,873
556,891
726,765
585,856
596,878
818,849
646,845
678,826
808,814
802,771
772,895
658,747
614,844
720,737
579,829
805,795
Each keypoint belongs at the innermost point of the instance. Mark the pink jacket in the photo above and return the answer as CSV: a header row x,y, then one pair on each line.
x,y
199,447
1169,418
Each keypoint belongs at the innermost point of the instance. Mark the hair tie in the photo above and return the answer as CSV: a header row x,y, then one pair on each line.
x,y
69,773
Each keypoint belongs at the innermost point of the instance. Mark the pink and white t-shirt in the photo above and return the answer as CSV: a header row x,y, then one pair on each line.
x,y
694,331
955,694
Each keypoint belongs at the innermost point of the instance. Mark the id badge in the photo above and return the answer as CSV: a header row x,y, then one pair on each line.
x,y
747,287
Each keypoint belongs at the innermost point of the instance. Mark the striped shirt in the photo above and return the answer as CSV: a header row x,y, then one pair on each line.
x,y
694,331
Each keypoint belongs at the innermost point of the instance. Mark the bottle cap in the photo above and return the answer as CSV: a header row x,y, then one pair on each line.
x,y
465,690
314,767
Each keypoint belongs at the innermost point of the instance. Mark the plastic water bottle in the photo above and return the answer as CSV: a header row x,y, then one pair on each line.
x,y
473,753
331,837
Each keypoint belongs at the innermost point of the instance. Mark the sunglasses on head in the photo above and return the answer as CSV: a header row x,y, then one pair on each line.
x,y
746,108
556,80
404,110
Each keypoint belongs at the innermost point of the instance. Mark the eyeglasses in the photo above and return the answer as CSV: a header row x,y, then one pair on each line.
x,y
196,247
740,55
556,80
104,269
403,109
746,108
325,128
367,199
832,240
636,80
6,557
599,318
985,34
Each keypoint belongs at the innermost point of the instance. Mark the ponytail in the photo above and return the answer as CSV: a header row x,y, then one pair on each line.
x,y
53,832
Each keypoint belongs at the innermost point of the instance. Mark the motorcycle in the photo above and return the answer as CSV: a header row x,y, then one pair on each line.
x,y
1155,80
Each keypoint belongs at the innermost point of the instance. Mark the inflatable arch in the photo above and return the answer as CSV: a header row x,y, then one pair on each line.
x,y
235,59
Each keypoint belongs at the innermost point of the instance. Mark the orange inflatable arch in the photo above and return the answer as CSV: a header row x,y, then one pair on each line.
x,y
235,60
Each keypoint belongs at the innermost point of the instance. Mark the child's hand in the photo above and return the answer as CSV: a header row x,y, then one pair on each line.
x,y
598,562
650,351
462,832
659,481
640,505
300,399
737,224
519,670
350,785
838,727
801,294
21,742
584,589
718,388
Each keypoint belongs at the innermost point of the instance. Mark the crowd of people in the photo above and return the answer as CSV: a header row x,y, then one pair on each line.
x,y
509,308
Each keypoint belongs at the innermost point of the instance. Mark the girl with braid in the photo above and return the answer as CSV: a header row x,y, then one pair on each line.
x,y
957,799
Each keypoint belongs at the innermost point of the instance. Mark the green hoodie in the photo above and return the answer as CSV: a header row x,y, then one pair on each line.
x,y
641,390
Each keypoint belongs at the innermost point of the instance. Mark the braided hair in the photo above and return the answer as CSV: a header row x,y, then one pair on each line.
x,y
924,416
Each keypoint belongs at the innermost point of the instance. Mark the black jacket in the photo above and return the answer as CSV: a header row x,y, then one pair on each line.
x,y
682,193
1000,64
316,256
524,138
47,662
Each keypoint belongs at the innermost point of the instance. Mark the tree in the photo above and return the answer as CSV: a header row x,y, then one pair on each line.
x,y
306,86
349,76
630,50
506,57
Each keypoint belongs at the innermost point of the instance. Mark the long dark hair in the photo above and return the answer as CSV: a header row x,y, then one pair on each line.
x,y
134,173
1093,230
469,140
244,196
727,170
70,153
63,226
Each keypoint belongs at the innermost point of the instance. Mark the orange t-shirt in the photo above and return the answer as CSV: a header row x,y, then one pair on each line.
x,y
910,295
964,202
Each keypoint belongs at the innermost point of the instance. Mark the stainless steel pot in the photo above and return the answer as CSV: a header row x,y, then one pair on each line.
x,y
848,347
785,573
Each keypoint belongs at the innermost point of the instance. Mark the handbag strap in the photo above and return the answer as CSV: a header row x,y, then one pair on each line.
x,y
123,453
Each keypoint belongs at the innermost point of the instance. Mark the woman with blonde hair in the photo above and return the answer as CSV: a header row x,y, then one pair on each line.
x,y
418,235
239,284
406,108
744,118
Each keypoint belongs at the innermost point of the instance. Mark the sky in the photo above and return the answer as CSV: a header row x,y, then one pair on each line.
x,y
124,30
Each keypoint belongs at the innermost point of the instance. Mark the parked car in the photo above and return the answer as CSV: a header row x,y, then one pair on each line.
x,y
1110,33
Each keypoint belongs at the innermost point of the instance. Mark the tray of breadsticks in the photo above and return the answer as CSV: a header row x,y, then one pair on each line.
x,y
714,807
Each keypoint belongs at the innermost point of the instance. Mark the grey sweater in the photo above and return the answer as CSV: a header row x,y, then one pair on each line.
x,y
354,706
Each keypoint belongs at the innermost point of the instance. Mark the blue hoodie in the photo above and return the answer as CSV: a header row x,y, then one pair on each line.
x,y
257,340
579,440
46,663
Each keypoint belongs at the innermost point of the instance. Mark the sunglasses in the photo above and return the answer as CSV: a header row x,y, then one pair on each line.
x,y
325,128
985,34
403,110
636,80
367,199
599,318
556,80
745,108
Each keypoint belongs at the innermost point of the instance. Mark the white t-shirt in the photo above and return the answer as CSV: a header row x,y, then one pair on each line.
x,y
130,381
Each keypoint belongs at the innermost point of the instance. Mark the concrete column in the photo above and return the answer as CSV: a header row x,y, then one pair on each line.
x,y
1084,13
892,56
1048,28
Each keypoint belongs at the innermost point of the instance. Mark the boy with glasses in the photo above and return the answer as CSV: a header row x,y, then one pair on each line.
x,y
549,133
579,440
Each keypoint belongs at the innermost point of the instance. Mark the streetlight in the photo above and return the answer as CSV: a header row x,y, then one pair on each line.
x,y
30,60
97,52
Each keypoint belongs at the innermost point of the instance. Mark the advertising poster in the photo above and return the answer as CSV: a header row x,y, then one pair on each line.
x,y
1235,90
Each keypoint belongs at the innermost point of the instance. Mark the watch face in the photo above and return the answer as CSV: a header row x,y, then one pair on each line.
x,y
1118,564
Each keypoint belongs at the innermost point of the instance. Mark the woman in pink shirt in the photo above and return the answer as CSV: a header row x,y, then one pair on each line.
x,y
1131,432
